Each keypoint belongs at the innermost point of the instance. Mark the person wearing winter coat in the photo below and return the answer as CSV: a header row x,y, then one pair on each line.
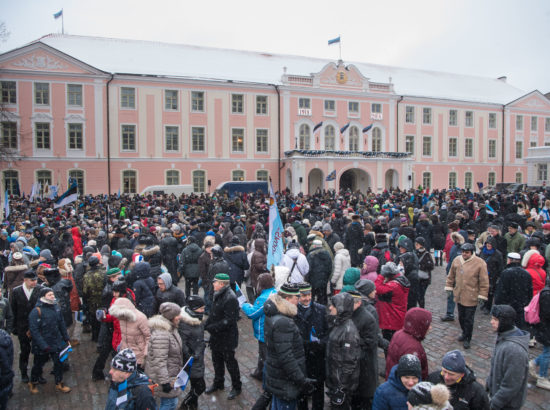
x,y
465,392
424,229
392,289
144,288
13,274
66,271
320,269
189,265
169,251
6,315
93,284
343,352
370,268
495,263
331,237
164,353
217,265
285,368
409,339
49,337
542,335
392,395
6,372
151,254
224,336
425,267
134,328
507,380
77,241
381,250
533,262
353,240
438,239
258,262
256,313
191,330
468,281
408,259
515,288
62,290
428,396
296,262
342,262
128,386
168,292
236,257
204,262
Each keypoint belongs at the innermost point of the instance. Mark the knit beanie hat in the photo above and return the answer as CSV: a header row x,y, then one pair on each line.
x,y
389,269
453,361
338,246
327,228
427,393
409,365
195,302
265,281
113,272
169,310
44,291
235,241
125,361
506,316
46,254
93,261
290,289
365,286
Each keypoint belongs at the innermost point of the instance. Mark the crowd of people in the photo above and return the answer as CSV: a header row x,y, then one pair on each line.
x,y
155,280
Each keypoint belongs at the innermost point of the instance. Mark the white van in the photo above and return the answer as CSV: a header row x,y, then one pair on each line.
x,y
167,190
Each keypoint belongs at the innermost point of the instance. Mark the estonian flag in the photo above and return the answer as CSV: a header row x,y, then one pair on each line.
x,y
334,40
183,375
367,128
69,196
313,336
58,14
331,176
64,354
317,127
240,297
344,128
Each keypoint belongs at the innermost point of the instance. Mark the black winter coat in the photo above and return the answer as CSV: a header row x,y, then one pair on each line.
x,y
6,360
424,229
189,261
368,329
466,394
515,288
438,236
285,366
191,330
62,291
173,294
307,319
222,321
144,290
217,265
21,307
353,241
542,330
238,263
48,330
169,251
320,268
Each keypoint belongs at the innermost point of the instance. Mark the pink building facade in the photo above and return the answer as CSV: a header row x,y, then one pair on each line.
x,y
126,115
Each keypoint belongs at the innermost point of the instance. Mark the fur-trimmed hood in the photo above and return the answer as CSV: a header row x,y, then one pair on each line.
x,y
276,304
123,309
236,248
527,256
150,251
159,322
188,319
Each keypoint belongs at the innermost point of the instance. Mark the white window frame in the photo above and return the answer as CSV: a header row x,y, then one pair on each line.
x,y
81,187
262,106
492,120
468,119
166,126
491,175
376,108
452,180
333,137
35,136
266,130
352,112
304,103
351,136
10,137
243,143
8,93
135,176
453,120
409,140
468,180
69,136
125,105
35,95
262,171
237,107
519,152
327,111
409,114
178,173
122,138
304,141
199,186
429,139
535,122
69,94
490,142
426,175
426,116
239,171
469,146
202,100
376,140
454,140
193,127
519,122
170,100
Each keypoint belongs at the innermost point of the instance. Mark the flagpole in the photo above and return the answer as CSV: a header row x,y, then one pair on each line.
x,y
62,22
340,46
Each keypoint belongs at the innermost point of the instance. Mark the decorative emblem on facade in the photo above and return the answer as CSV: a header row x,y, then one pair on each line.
x,y
39,62
341,77
534,103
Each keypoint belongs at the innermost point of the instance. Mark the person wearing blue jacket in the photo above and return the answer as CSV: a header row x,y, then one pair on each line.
x,y
256,313
392,395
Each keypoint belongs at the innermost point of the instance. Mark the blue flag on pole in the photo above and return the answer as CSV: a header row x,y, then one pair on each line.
x,y
334,40
6,205
367,128
183,375
276,230
64,354
58,14
344,128
317,126
331,176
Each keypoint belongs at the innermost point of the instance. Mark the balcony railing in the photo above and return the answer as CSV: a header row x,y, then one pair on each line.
x,y
346,154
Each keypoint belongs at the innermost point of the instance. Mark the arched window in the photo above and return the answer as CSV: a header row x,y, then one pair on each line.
x,y
172,177
376,139
354,139
303,142
11,182
199,181
329,138
129,182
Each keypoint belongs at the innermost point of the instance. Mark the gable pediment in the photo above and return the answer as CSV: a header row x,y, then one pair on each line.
x,y
532,101
341,76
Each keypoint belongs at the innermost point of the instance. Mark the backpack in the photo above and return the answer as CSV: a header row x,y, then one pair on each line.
x,y
532,310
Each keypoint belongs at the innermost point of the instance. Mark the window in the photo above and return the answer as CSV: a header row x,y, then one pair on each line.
x,y
11,182
172,177
519,177
491,180
304,135
376,139
237,175
353,108
426,180
427,146
127,97
304,103
519,149
199,181
9,135
261,104
261,140
330,106
78,176
197,103
353,139
452,180
426,115
453,147
197,140
42,134
468,180
171,138
409,114
237,140
519,122
492,120
534,123
469,119
453,118
41,93
170,99
129,182
76,139
237,103
469,147
547,125
9,92
533,144
492,149
329,138
542,172
376,108
128,137
409,144
74,95
262,175
44,178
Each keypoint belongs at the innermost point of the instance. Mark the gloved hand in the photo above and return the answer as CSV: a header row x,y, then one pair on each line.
x,y
308,386
449,293
100,314
337,397
166,387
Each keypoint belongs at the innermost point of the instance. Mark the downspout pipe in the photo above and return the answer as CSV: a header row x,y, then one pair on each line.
x,y
108,147
397,124
503,144
279,167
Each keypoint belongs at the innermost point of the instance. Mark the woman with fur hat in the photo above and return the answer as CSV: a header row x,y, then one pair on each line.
x,y
13,274
428,396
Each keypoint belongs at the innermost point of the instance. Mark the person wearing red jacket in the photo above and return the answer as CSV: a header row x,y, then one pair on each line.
x,y
409,340
392,292
533,262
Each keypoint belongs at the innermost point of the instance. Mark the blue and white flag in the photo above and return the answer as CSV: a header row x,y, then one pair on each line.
x,y
489,209
318,126
276,230
6,205
58,14
367,128
240,297
331,176
69,196
313,336
34,190
334,40
53,192
64,354
344,128
183,376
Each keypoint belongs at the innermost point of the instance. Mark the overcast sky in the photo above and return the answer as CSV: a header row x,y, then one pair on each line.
x,y
479,37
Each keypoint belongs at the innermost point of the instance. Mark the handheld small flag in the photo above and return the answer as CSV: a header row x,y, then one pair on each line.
x,y
334,41
367,128
313,336
276,229
64,354
331,176
240,297
58,14
490,209
69,196
344,128
183,376
6,205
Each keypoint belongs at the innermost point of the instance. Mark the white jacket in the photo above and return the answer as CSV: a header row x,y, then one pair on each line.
x,y
342,261
300,269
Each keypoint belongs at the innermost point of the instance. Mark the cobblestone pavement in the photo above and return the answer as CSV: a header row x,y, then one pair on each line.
x,y
89,395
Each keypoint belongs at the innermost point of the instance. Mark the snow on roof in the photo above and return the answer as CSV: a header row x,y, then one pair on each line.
x,y
180,60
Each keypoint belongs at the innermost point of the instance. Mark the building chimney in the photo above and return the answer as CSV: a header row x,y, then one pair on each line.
x,y
503,78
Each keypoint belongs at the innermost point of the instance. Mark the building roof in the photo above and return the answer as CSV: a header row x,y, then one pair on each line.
x,y
181,60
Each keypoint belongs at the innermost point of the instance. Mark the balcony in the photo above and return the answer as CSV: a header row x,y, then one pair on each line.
x,y
304,153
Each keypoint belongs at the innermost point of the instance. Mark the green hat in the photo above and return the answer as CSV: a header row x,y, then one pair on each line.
x,y
113,272
222,277
304,287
